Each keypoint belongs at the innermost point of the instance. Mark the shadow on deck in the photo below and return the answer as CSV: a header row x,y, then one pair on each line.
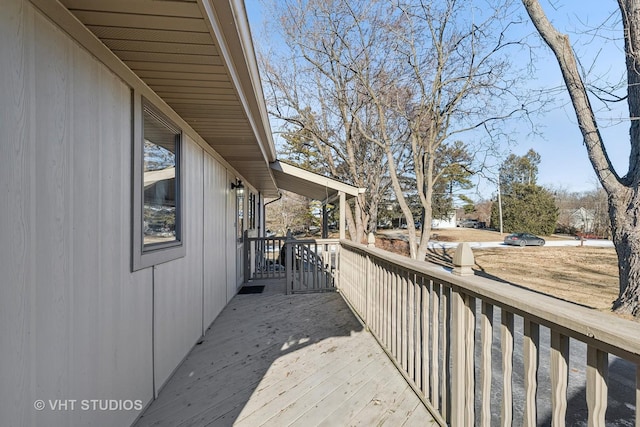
x,y
276,359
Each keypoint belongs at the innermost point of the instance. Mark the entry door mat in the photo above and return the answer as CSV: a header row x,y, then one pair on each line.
x,y
251,289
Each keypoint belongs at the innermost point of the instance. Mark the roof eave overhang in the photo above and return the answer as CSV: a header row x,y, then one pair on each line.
x,y
243,141
311,185
230,27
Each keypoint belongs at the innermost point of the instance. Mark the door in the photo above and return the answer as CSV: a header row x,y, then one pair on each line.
x,y
231,253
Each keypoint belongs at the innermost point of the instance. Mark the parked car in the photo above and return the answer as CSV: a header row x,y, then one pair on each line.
x,y
468,223
523,239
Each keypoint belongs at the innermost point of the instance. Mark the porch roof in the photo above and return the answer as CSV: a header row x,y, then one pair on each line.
x,y
309,184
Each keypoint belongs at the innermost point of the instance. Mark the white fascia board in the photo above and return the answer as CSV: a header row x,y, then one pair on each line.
x,y
316,178
235,46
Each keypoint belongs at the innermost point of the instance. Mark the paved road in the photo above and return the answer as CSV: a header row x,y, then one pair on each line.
x,y
553,243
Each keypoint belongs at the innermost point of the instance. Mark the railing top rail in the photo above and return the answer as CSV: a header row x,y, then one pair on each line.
x,y
610,333
318,241
251,239
282,238
328,241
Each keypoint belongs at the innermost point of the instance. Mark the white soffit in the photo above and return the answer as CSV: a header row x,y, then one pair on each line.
x,y
198,56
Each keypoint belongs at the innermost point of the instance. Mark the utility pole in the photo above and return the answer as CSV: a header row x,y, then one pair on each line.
x,y
499,203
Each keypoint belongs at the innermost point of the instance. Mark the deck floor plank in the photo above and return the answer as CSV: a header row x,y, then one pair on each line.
x,y
272,359
352,374
268,401
382,397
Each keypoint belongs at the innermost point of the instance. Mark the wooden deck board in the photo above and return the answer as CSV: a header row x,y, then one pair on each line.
x,y
269,401
303,401
273,359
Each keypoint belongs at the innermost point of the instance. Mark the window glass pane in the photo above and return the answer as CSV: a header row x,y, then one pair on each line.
x,y
161,142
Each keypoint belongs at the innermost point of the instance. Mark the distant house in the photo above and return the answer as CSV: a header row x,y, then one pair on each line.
x,y
448,222
582,220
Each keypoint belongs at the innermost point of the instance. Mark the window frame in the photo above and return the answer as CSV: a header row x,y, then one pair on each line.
x,y
144,256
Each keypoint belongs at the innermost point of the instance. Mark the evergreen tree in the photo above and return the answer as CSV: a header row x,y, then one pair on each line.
x,y
453,172
519,170
527,208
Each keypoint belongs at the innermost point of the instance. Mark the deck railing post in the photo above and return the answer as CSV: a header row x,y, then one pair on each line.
x,y
288,263
463,261
458,365
371,243
247,256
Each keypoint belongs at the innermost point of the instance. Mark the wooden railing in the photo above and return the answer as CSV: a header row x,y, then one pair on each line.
x,y
455,339
264,257
310,265
307,265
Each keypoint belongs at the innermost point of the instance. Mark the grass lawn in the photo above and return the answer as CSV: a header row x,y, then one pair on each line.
x,y
583,275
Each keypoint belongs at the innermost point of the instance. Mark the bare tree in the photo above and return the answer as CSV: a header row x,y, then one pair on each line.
x,y
314,93
386,87
446,72
622,191
290,212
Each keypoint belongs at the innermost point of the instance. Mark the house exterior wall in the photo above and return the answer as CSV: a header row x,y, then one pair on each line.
x,y
444,222
231,243
215,258
75,322
178,285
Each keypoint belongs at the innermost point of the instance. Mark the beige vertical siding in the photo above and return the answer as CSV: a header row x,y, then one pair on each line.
x,y
215,266
178,283
231,240
74,322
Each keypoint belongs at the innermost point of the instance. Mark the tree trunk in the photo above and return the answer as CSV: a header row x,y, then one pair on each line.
x,y
626,239
426,232
428,211
624,201
361,219
351,224
404,206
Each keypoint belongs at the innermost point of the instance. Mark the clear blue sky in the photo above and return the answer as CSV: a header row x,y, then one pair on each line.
x,y
564,159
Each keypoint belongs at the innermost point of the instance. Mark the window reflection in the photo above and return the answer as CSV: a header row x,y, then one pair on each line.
x,y
160,184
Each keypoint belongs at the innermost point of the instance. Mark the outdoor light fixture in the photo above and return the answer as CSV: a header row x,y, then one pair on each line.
x,y
238,186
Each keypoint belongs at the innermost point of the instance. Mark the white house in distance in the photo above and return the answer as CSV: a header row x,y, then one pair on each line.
x,y
135,150
582,219
448,222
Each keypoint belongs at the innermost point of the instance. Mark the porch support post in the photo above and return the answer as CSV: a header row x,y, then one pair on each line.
x,y
288,262
325,222
343,214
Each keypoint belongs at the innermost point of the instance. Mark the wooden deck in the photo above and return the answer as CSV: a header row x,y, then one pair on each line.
x,y
276,360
